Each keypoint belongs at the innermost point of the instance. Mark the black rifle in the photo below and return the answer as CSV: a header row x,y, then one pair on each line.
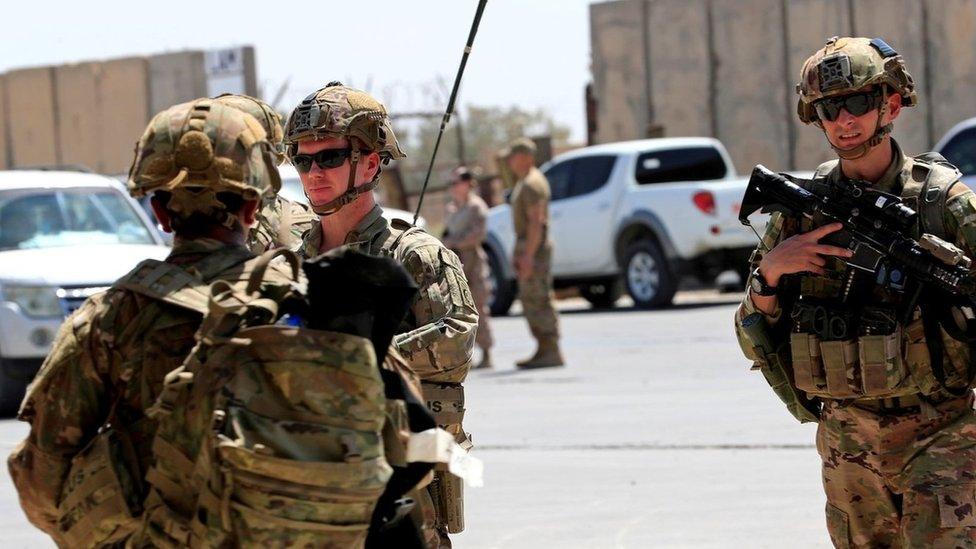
x,y
876,229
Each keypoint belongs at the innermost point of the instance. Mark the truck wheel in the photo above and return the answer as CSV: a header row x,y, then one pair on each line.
x,y
602,294
648,276
501,291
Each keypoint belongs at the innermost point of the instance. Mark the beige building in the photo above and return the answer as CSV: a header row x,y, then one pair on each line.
x,y
90,114
727,68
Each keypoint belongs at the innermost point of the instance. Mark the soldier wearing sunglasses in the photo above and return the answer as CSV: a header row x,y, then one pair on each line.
x,y
338,138
897,431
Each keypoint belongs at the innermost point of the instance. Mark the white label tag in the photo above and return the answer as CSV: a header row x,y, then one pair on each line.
x,y
881,202
438,446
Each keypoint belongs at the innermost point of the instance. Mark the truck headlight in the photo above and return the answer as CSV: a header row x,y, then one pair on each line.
x,y
39,301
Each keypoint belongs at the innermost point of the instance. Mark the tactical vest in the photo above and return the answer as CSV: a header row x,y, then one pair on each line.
x,y
852,337
272,434
104,489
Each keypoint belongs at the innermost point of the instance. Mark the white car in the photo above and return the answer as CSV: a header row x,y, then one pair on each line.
x,y
634,216
63,237
958,145
291,188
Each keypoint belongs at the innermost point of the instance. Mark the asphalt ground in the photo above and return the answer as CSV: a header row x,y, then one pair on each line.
x,y
655,434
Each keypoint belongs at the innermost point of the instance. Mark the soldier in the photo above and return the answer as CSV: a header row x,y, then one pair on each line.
x,y
281,222
465,231
337,139
533,253
890,389
80,471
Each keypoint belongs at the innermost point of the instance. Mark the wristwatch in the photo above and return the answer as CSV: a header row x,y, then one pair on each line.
x,y
759,286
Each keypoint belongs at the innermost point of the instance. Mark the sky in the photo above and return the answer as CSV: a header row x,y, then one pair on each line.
x,y
533,53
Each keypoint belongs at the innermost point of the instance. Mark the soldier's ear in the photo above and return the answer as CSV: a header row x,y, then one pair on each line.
x,y
894,107
249,212
161,214
371,165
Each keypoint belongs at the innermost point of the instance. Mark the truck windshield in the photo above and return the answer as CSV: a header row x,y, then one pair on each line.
x,y
47,218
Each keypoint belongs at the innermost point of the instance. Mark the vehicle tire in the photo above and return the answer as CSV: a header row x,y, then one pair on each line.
x,y
12,390
604,293
501,291
648,276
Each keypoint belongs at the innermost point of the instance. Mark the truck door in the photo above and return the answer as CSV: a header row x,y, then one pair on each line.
x,y
582,216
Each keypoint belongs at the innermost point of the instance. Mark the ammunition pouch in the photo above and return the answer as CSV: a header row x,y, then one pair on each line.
x,y
446,402
102,495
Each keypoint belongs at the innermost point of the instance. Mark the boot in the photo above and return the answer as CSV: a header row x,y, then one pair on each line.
x,y
547,356
485,360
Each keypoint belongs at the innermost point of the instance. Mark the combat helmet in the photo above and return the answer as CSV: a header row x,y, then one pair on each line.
x,y
195,151
269,119
846,65
339,111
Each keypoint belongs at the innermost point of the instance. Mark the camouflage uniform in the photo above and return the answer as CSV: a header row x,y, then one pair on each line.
x,y
437,337
466,230
281,223
899,448
109,359
538,301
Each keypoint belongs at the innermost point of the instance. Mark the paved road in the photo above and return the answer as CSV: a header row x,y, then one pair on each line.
x,y
655,435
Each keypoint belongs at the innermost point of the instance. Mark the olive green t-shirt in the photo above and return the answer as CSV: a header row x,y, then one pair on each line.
x,y
531,190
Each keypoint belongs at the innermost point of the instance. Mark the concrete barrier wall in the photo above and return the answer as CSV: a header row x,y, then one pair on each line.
x,y
750,98
76,91
679,67
619,69
31,108
175,78
951,89
810,24
124,113
738,85
4,139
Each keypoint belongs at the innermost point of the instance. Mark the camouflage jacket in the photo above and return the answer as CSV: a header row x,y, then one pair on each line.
x,y
959,220
438,335
281,223
117,347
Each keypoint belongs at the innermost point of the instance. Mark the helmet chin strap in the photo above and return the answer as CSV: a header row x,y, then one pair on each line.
x,y
879,134
352,191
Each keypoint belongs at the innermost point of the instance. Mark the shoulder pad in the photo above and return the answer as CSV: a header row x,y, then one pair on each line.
x,y
166,282
400,224
825,168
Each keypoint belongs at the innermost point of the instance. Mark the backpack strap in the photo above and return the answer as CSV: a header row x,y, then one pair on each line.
x,y
926,189
172,284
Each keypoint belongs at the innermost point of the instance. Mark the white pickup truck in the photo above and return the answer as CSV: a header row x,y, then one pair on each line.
x,y
634,216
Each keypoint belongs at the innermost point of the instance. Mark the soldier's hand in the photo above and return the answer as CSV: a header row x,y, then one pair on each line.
x,y
801,253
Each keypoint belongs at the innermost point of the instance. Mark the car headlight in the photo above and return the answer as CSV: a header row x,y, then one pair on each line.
x,y
34,300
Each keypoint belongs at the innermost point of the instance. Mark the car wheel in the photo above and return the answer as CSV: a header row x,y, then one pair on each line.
x,y
13,386
602,294
648,276
501,291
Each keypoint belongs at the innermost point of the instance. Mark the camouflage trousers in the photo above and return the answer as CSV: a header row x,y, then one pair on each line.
x,y
538,300
900,480
475,265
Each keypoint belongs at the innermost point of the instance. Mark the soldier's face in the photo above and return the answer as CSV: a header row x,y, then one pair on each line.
x,y
460,190
323,185
848,131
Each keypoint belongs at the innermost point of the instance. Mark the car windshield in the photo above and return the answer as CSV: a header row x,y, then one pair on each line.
x,y
47,218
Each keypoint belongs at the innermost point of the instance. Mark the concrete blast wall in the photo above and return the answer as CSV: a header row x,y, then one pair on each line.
x,y
30,100
91,114
727,68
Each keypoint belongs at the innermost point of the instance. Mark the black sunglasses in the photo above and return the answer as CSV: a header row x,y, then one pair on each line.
x,y
325,159
857,104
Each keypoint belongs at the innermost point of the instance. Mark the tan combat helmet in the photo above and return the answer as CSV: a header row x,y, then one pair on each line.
x,y
197,150
340,111
847,65
269,119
